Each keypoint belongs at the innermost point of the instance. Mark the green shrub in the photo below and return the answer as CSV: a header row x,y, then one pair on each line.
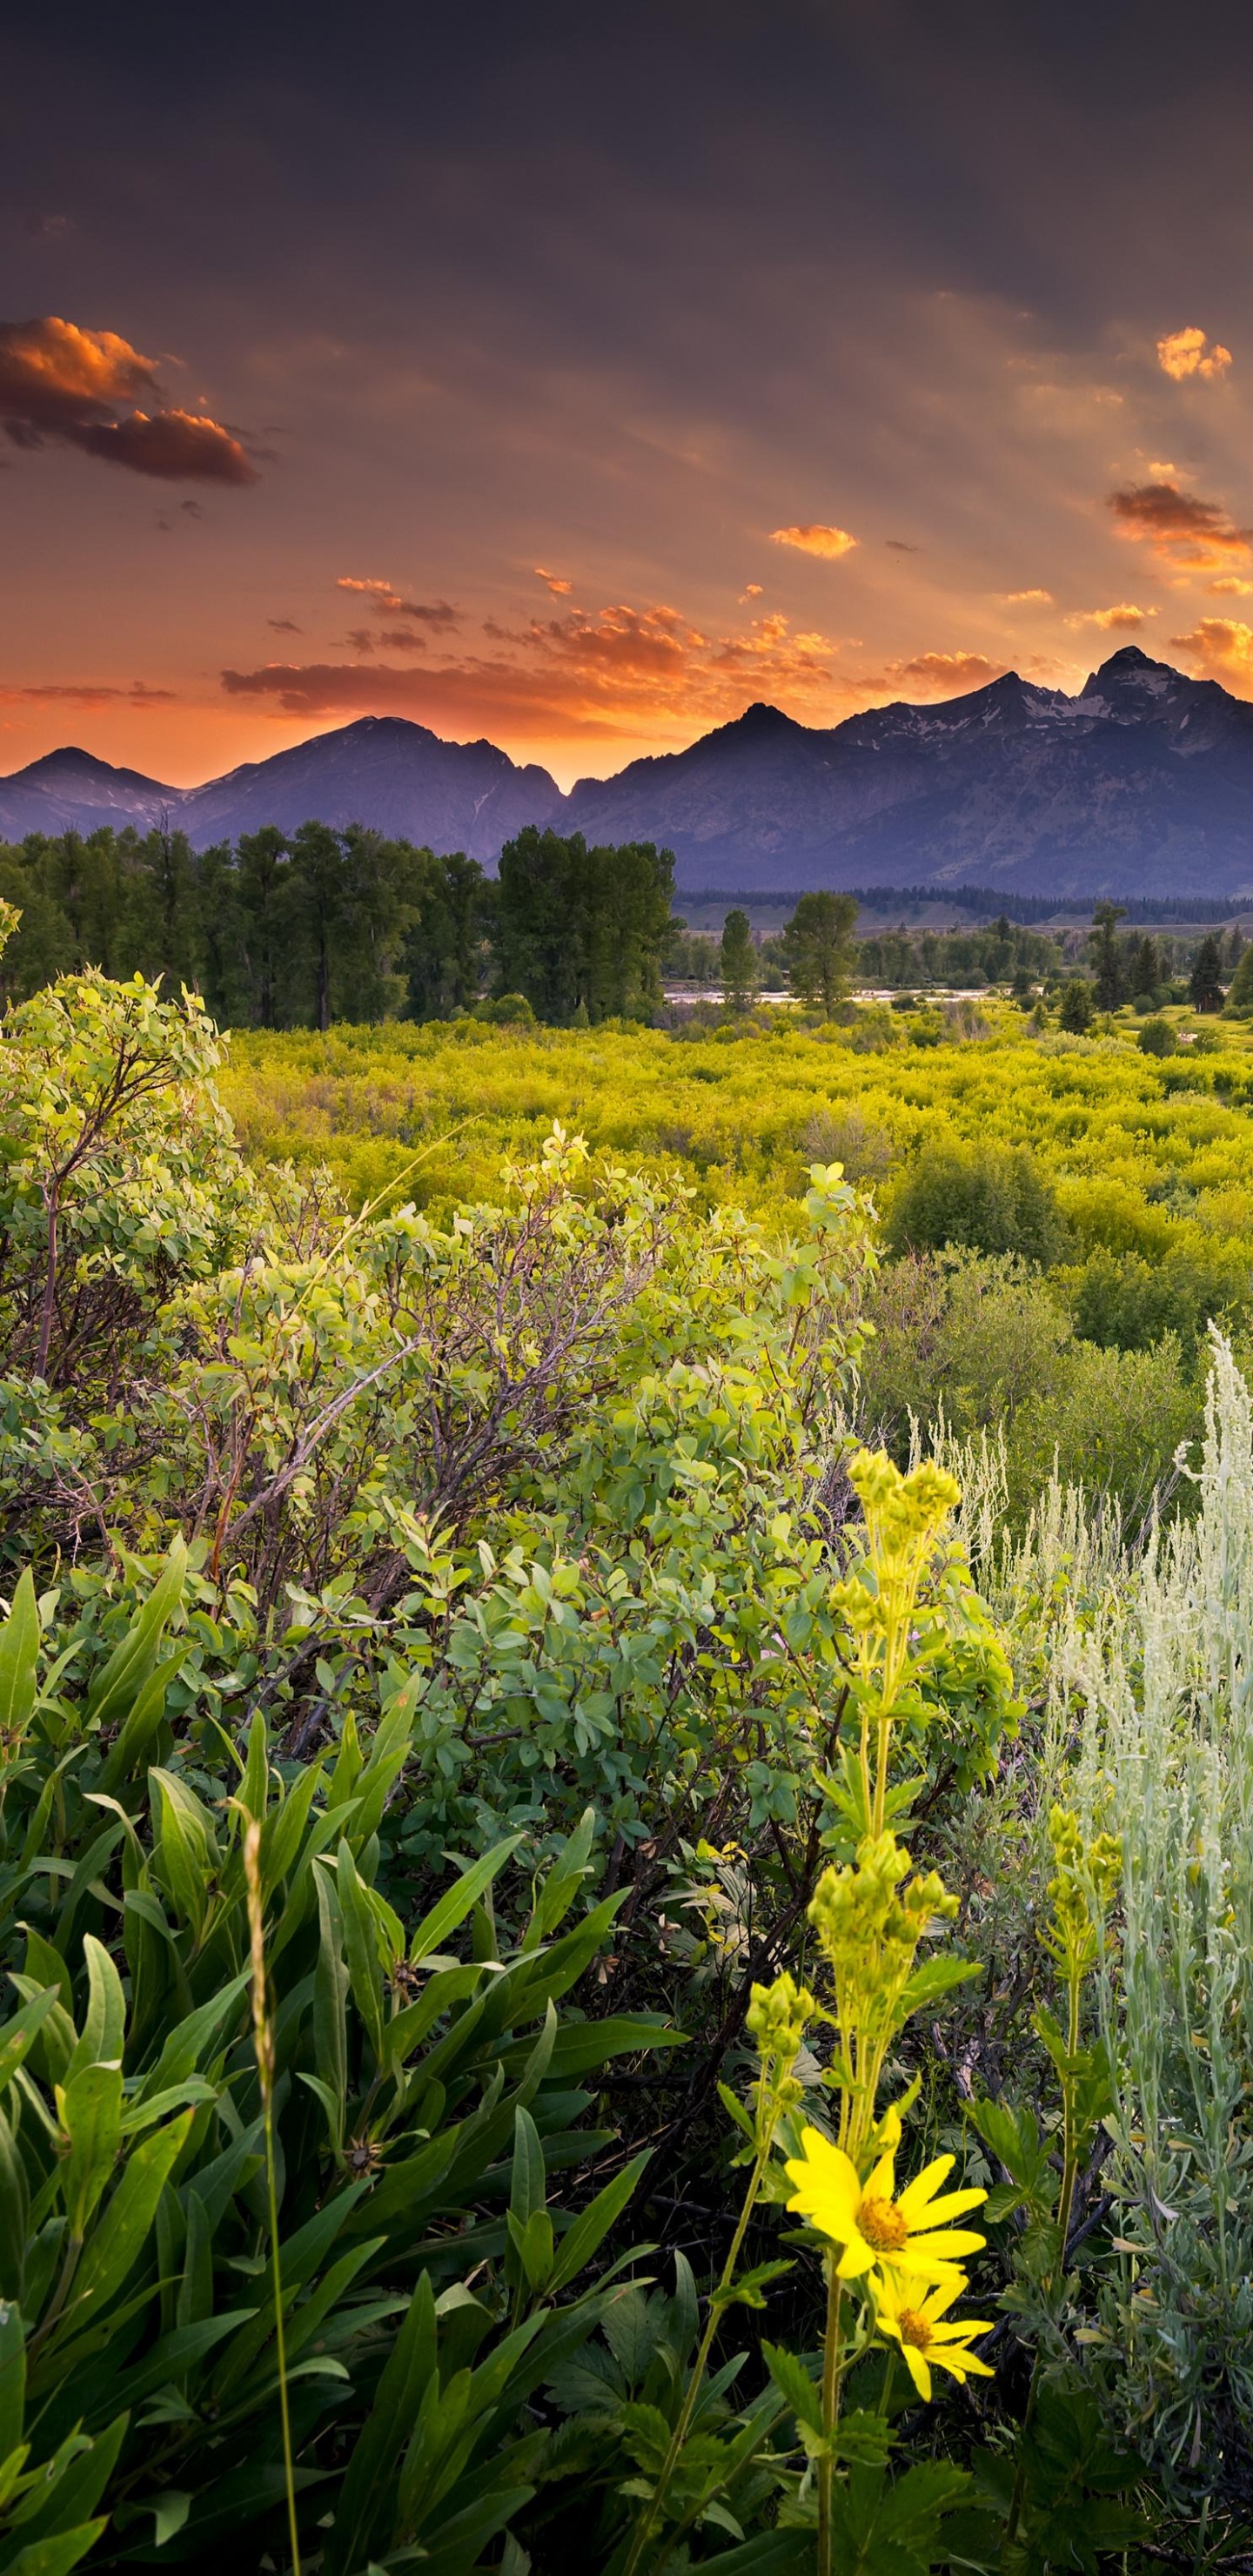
x,y
1157,1037
984,1199
966,1336
508,1011
421,2104
1128,1303
1112,1423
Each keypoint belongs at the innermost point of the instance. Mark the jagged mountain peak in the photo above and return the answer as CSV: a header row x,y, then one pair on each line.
x,y
1142,783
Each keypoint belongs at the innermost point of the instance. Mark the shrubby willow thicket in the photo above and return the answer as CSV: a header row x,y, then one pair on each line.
x,y
624,1744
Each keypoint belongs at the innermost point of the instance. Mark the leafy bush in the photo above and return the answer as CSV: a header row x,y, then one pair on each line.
x,y
985,1200
1157,1037
418,2103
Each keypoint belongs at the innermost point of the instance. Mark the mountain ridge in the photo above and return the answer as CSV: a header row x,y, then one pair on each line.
x,y
1142,782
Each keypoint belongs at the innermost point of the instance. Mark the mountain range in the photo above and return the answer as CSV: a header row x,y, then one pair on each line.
x,y
1140,784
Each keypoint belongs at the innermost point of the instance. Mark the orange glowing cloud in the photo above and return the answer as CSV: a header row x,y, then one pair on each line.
x,y
388,603
555,582
619,675
1122,619
1191,534
935,675
831,543
60,382
88,693
1028,598
1222,647
1187,353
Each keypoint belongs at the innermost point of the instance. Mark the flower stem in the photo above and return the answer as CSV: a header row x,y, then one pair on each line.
x,y
679,2436
830,2415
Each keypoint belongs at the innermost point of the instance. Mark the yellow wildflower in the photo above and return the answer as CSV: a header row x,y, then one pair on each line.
x,y
870,2223
927,2339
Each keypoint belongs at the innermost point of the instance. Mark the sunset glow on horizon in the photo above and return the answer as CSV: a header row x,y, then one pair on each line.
x,y
324,397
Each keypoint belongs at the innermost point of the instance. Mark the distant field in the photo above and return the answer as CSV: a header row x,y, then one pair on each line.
x,y
1146,1153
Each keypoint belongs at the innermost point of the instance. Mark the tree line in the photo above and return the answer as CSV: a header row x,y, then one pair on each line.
x,y
291,931
299,930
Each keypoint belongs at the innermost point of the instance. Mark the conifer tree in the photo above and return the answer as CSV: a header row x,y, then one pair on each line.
x,y
1104,945
1205,982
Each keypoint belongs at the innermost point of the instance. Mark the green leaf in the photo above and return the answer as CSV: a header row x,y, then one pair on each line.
x,y
935,1978
361,1943
128,1753
527,2191
66,2504
12,2379
104,2025
58,2553
119,2239
19,2034
593,2224
91,2115
19,1651
794,2384
185,1853
457,1901
368,2495
746,2290
131,1661
14,2215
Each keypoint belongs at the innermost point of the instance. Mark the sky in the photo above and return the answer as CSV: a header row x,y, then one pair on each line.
x,y
575,377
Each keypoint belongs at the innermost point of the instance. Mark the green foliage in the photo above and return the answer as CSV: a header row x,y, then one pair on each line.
x,y
1157,1037
573,927
1110,969
1077,1006
737,962
985,1200
495,1553
1205,984
422,2101
1240,994
817,942
1129,1303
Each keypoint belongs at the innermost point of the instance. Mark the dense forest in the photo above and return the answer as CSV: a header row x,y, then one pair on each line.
x,y
327,926
624,1741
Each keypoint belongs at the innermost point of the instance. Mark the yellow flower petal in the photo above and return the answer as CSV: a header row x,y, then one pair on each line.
x,y
961,2365
918,2372
882,2183
917,2193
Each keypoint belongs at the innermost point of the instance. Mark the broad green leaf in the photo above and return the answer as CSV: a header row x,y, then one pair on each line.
x,y
58,2553
103,2033
78,2490
18,2035
14,2219
12,2378
19,1651
593,2224
367,2502
125,2225
90,2107
457,1901
361,1943
126,1756
794,2384
131,1661
526,2191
